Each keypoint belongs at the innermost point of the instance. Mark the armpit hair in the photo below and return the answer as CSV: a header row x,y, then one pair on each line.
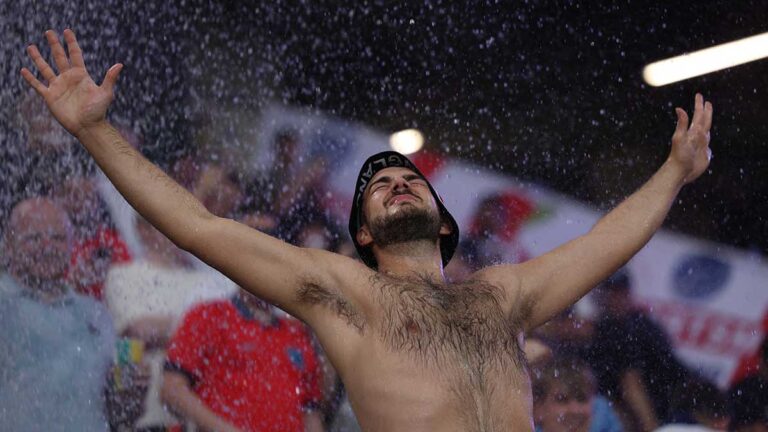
x,y
315,294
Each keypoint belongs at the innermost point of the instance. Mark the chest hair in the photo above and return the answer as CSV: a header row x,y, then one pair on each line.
x,y
460,324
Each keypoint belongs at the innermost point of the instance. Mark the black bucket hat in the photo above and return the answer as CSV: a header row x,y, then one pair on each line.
x,y
371,166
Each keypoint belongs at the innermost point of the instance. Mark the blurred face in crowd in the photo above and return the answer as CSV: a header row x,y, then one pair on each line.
x,y
563,393
37,242
565,409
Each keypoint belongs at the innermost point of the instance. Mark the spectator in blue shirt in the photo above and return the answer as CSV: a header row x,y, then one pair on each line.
x,y
57,345
565,399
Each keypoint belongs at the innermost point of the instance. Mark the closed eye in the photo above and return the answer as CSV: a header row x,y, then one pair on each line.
x,y
379,185
383,180
413,178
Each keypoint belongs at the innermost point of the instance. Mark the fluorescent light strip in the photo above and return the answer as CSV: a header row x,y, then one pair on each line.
x,y
707,60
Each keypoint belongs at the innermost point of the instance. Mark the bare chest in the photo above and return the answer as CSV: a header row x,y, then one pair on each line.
x,y
448,353
452,325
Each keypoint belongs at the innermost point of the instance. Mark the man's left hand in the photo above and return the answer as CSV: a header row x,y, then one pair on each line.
x,y
690,145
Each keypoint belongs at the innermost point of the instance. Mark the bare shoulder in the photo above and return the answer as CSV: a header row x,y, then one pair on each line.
x,y
504,276
342,272
338,285
507,278
335,301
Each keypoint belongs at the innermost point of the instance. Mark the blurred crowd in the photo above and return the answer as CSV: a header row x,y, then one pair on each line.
x,y
106,324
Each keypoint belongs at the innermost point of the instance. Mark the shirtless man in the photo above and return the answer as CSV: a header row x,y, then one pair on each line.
x,y
416,353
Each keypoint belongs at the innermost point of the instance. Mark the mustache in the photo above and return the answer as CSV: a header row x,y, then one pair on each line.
x,y
396,194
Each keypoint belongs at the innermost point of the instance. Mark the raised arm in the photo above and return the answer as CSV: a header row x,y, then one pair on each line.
x,y
264,265
559,278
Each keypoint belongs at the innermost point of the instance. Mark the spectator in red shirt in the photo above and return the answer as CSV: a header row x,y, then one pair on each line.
x,y
235,366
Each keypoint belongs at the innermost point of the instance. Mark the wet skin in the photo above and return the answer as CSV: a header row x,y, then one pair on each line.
x,y
436,357
417,353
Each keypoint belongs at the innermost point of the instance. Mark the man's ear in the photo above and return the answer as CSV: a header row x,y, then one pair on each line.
x,y
445,229
364,237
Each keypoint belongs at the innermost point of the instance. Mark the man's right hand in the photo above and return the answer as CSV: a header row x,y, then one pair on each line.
x,y
72,96
266,266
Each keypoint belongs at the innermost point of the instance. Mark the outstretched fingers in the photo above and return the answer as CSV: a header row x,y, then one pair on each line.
x,y
682,122
42,66
57,51
75,53
698,111
708,108
110,78
39,87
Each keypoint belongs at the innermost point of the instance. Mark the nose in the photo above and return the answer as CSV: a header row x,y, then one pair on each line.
x,y
400,184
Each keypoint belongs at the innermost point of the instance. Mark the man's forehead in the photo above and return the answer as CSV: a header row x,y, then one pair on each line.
x,y
392,171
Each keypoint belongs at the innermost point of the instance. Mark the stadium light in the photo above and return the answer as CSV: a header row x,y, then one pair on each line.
x,y
406,141
707,60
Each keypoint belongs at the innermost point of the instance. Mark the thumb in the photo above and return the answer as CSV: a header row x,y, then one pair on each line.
x,y
682,121
111,77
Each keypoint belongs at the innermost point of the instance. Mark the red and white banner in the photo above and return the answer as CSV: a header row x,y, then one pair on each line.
x,y
712,299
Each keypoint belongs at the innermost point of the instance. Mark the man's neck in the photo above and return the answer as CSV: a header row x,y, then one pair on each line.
x,y
406,259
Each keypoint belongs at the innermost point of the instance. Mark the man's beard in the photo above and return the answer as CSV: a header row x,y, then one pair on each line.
x,y
407,225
